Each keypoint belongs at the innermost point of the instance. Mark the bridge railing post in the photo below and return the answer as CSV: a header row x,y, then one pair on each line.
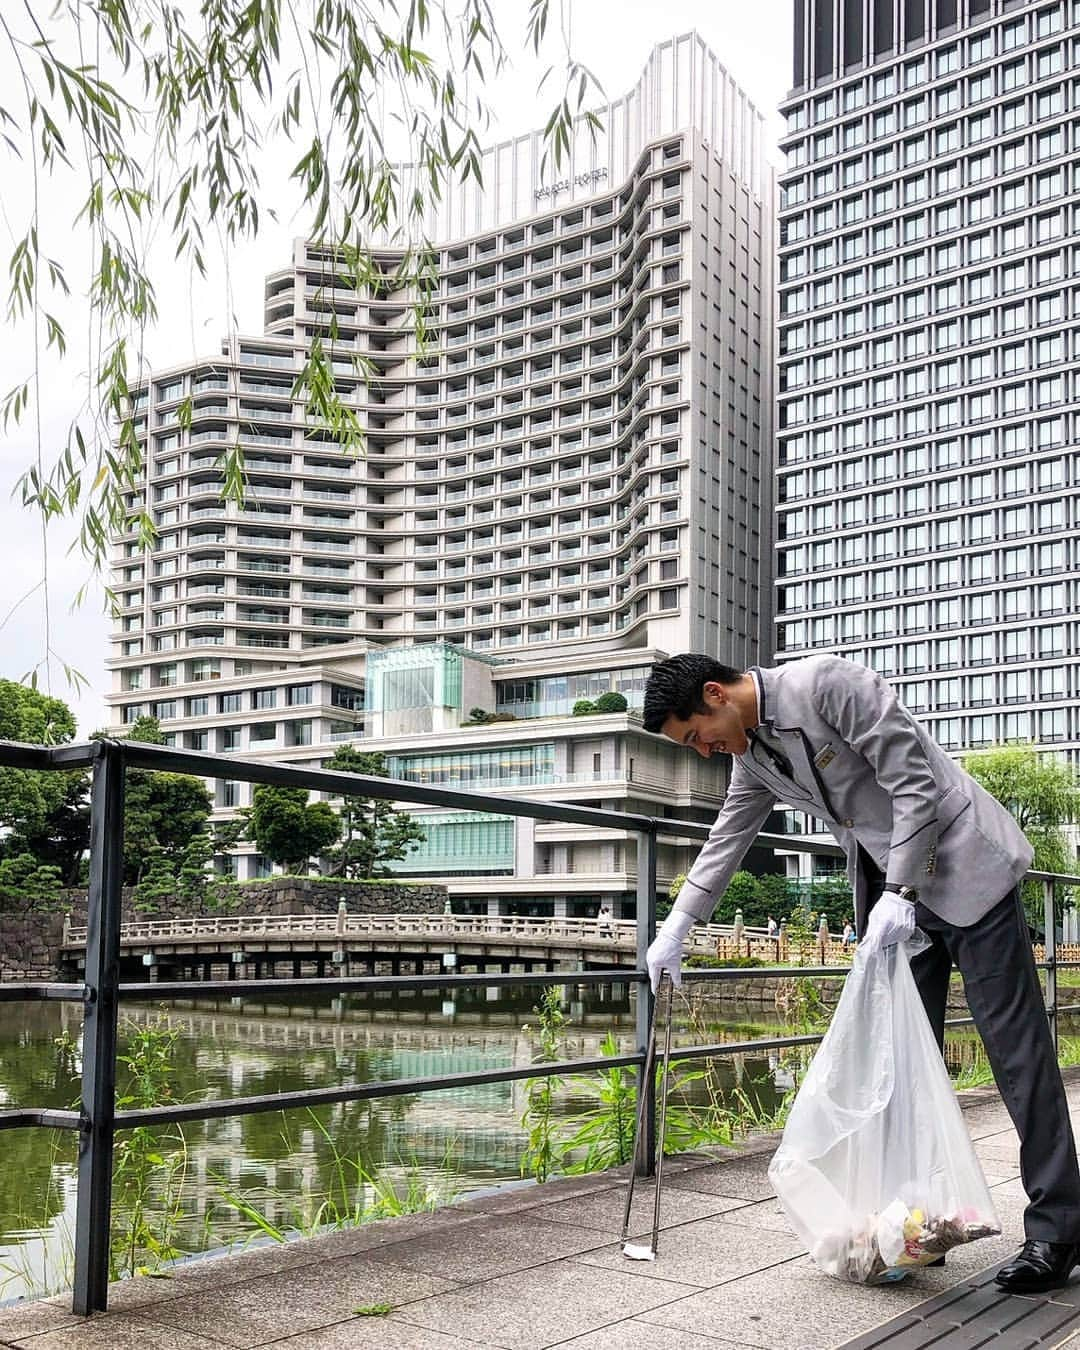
x,y
96,1128
645,914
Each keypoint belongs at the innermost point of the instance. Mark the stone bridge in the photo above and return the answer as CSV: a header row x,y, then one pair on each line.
x,y
300,945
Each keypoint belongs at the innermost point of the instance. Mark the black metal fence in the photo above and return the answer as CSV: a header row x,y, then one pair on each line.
x,y
97,1120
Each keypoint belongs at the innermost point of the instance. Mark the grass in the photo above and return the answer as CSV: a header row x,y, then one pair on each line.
x,y
979,1073
356,1195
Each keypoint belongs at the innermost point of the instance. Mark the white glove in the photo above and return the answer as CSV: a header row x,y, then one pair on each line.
x,y
891,920
665,953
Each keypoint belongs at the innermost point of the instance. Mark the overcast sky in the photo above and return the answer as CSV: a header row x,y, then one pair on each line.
x,y
612,37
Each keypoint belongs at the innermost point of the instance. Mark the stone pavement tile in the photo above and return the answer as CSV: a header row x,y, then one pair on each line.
x,y
706,1253
792,1307
190,1277
276,1306
532,1309
1004,1155
215,1270
635,1335
761,1214
986,1120
516,1198
24,1319
369,1237
741,1179
119,1331
1004,1136
1010,1202
491,1246
376,1333
996,1178
605,1212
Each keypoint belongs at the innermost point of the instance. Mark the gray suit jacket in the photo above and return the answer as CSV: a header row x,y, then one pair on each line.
x,y
861,763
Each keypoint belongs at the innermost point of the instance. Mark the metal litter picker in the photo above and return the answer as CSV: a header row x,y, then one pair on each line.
x,y
636,1251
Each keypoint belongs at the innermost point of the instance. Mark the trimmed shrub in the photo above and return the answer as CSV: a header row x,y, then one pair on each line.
x,y
611,702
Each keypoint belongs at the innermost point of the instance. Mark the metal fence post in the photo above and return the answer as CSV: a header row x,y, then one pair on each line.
x,y
93,1212
1050,944
646,931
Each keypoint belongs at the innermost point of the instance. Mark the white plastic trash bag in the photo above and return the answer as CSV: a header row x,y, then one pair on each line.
x,y
875,1169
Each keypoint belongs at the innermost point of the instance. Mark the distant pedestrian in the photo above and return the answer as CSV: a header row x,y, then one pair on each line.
x,y
773,930
604,918
848,938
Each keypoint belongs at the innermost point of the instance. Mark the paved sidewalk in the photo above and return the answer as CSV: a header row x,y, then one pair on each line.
x,y
534,1267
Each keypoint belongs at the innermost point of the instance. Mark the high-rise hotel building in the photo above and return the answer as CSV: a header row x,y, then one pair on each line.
x,y
929,339
569,482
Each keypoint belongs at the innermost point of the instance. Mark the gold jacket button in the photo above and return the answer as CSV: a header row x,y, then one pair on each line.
x,y
848,824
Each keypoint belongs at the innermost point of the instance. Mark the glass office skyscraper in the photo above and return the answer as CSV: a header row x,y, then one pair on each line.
x,y
929,330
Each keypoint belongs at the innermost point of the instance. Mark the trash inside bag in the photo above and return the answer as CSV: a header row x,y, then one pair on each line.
x,y
876,1170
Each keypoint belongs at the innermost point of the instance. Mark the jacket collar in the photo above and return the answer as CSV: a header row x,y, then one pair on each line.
x,y
765,681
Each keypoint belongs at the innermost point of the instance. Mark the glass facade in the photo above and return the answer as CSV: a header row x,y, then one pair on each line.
x,y
555,695
463,842
414,677
513,766
928,481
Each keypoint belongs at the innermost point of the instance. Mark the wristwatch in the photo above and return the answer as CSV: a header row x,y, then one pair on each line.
x,y
904,892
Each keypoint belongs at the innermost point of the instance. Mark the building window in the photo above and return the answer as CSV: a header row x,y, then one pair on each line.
x,y
300,732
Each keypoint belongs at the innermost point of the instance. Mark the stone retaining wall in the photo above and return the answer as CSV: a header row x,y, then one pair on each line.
x,y
282,895
763,998
29,947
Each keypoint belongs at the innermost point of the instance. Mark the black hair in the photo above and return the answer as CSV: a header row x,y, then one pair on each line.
x,y
675,686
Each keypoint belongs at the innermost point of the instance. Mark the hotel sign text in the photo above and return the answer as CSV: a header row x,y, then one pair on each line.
x,y
587,179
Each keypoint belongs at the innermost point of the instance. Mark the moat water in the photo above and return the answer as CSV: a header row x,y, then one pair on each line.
x,y
445,1143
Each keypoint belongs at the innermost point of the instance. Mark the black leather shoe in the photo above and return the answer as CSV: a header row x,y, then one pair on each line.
x,y
1038,1266
935,1265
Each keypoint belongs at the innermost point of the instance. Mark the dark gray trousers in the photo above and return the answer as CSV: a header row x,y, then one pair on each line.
x,y
994,957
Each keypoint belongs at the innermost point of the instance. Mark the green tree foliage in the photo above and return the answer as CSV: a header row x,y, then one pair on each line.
x,y
163,811
1043,794
45,815
287,829
774,894
154,117
831,896
584,707
802,933
157,881
742,893
193,877
373,832
27,885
